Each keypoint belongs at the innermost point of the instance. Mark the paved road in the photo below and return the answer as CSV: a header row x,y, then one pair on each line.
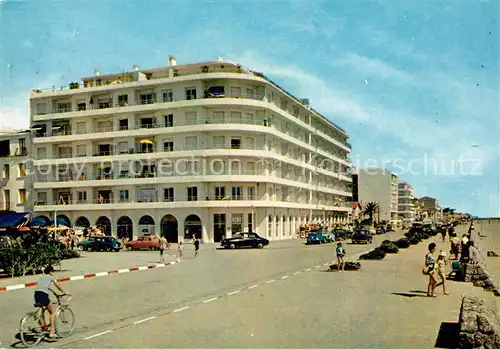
x,y
243,298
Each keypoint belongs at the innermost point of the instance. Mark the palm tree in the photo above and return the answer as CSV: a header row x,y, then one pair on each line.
x,y
370,209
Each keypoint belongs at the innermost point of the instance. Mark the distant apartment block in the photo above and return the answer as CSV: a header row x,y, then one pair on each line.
x,y
208,148
380,186
406,203
15,181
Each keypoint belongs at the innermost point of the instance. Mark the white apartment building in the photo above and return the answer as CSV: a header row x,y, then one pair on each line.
x,y
15,181
406,204
380,186
207,148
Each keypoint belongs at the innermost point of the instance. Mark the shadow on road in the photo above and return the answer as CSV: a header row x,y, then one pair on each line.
x,y
409,295
448,335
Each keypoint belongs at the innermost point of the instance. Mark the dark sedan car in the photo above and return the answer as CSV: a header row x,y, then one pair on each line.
x,y
316,238
244,240
100,243
361,236
341,234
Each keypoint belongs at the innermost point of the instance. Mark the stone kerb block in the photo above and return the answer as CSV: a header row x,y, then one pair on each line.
x,y
479,325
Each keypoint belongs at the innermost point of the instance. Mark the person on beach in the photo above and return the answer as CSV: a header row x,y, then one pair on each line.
x,y
196,247
180,250
456,247
441,270
430,263
163,244
443,232
340,251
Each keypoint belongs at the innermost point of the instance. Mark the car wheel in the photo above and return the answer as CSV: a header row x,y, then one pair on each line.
x,y
152,248
81,248
260,245
89,249
232,246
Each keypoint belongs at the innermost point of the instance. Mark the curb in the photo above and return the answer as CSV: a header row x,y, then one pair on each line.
x,y
88,276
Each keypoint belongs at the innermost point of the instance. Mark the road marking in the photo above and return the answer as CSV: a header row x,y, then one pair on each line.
x,y
121,271
254,286
78,277
104,273
144,320
145,267
97,335
297,273
234,292
160,265
268,282
180,309
285,277
308,269
210,300
15,287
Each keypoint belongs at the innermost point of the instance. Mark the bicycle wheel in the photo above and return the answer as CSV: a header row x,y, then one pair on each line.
x,y
65,320
31,331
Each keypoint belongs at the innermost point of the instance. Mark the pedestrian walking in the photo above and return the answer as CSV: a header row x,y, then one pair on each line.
x,y
340,251
428,269
180,250
196,247
163,244
441,270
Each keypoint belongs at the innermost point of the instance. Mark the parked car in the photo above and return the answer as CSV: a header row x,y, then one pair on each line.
x,y
389,227
361,236
329,236
100,243
380,230
315,238
244,240
146,242
341,234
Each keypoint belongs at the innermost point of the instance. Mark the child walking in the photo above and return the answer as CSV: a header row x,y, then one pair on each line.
x,y
441,269
340,251
180,250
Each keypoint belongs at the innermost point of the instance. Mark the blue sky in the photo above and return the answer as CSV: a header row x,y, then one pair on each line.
x,y
414,83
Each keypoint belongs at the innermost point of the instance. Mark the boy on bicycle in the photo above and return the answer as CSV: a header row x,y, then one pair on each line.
x,y
42,297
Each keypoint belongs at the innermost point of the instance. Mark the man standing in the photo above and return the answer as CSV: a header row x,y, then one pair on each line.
x,y
196,247
163,245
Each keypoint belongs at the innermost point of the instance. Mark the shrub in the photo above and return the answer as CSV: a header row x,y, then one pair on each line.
x,y
351,266
402,243
377,253
389,247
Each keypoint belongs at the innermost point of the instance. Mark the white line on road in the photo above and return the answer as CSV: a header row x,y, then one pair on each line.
x,y
254,286
144,267
268,282
78,277
144,320
285,277
180,309
308,269
15,287
234,292
121,271
97,335
104,273
210,300
297,273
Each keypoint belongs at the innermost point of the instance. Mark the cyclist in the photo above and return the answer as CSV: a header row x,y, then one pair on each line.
x,y
42,297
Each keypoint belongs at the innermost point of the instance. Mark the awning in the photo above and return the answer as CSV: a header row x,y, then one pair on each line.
x,y
62,220
146,141
39,221
13,219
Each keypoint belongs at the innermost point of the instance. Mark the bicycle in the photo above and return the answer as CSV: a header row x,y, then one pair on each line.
x,y
32,330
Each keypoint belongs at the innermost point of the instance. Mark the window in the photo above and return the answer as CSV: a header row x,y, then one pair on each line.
x,y
168,146
251,193
123,124
283,103
250,223
220,193
81,150
217,167
168,194
124,195
122,147
104,126
122,100
235,143
81,196
81,106
6,195
192,193
191,118
235,92
42,198
236,223
295,111
190,93
41,108
219,142
193,167
270,226
169,120
236,193
147,98
250,167
147,195
63,107
250,143
218,117
6,171
235,117
22,196
124,174
81,127
236,167
190,143
168,96
22,170
250,93
41,153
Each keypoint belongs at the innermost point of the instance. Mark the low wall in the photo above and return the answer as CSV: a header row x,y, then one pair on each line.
x,y
479,325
